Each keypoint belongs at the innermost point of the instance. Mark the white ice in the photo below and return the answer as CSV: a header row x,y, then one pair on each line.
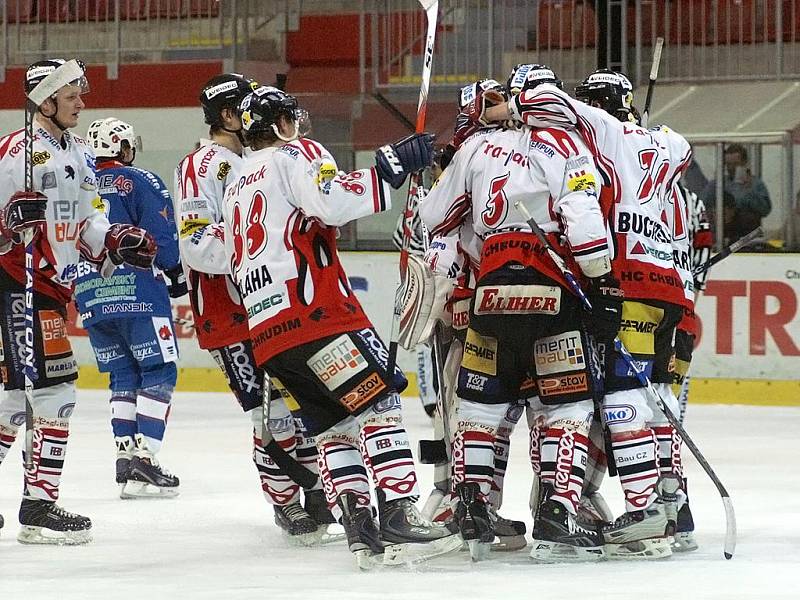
x,y
217,539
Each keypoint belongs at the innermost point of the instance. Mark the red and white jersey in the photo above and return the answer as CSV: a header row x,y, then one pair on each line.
x,y
676,216
639,167
549,170
283,212
76,225
201,179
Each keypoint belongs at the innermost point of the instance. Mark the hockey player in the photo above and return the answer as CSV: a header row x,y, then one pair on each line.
x,y
128,315
220,318
308,328
66,228
522,316
639,168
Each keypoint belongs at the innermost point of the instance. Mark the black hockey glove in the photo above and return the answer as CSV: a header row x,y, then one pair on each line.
x,y
177,286
395,161
24,210
131,245
606,297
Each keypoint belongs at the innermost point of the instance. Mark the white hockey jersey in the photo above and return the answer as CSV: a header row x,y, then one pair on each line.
x,y
549,170
201,179
639,167
283,212
76,225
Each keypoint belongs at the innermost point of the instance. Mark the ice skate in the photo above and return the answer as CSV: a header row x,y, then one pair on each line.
x,y
2,522
593,509
125,447
297,524
47,523
363,537
316,506
146,478
410,536
558,537
684,540
639,534
474,521
509,535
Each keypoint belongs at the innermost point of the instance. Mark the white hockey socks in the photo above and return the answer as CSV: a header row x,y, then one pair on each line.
x,y
152,410
8,433
278,488
341,467
49,450
474,444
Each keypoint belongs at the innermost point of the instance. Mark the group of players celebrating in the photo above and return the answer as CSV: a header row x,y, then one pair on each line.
x,y
250,235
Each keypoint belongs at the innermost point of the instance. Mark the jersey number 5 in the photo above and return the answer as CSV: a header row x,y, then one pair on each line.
x,y
497,205
250,234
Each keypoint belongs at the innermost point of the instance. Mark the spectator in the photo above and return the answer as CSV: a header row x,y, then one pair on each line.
x,y
750,196
693,178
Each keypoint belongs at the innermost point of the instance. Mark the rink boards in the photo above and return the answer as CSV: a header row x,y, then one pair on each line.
x,y
748,351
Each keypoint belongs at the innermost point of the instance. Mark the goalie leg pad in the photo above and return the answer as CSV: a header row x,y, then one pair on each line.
x,y
424,298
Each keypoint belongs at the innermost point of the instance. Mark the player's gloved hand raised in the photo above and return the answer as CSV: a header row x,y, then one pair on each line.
x,y
395,161
475,111
606,298
177,285
131,245
25,210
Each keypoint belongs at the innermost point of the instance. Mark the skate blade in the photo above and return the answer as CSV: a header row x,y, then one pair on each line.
x,y
552,552
414,553
139,489
650,549
319,537
367,560
42,535
479,550
509,543
684,542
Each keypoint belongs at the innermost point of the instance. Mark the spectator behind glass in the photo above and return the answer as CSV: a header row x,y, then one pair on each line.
x,y
750,196
693,178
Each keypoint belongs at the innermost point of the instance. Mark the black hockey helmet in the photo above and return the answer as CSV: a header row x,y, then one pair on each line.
x,y
38,71
609,90
468,92
526,76
261,109
224,91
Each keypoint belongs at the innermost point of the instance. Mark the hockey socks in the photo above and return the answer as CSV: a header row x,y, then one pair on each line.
x,y
278,488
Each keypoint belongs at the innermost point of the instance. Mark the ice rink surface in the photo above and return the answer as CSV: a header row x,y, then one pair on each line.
x,y
218,540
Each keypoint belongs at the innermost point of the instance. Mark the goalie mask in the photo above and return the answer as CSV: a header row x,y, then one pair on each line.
x,y
525,77
110,137
610,91
468,92
261,110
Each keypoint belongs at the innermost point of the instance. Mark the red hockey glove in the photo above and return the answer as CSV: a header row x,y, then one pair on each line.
x,y
131,245
25,210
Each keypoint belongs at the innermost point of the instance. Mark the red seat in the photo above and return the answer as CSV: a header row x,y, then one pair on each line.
x,y
19,11
566,24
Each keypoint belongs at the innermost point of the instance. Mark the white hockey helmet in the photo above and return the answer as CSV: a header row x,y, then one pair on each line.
x,y
105,137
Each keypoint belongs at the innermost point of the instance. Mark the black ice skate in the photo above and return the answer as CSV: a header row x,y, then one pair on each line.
x,y
558,537
296,523
2,521
147,479
125,448
474,521
316,506
363,537
639,534
509,535
684,531
47,523
411,536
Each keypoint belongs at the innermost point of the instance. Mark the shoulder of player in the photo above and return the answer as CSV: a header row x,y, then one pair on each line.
x,y
143,176
12,144
555,143
303,148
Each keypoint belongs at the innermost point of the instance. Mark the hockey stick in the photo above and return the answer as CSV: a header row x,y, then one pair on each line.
x,y
652,83
298,473
730,516
431,8
755,236
29,369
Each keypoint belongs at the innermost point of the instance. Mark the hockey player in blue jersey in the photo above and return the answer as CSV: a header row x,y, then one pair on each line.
x,y
128,315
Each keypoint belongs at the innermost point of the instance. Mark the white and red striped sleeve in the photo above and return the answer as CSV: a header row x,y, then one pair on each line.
x,y
544,106
320,191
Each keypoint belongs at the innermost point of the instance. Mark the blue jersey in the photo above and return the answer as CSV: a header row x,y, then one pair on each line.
x,y
136,197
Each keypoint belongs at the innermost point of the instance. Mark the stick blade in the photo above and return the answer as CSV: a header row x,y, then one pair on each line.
x,y
730,528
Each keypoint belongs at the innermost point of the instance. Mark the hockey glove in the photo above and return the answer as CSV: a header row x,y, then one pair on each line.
x,y
25,210
131,245
177,286
606,297
394,162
